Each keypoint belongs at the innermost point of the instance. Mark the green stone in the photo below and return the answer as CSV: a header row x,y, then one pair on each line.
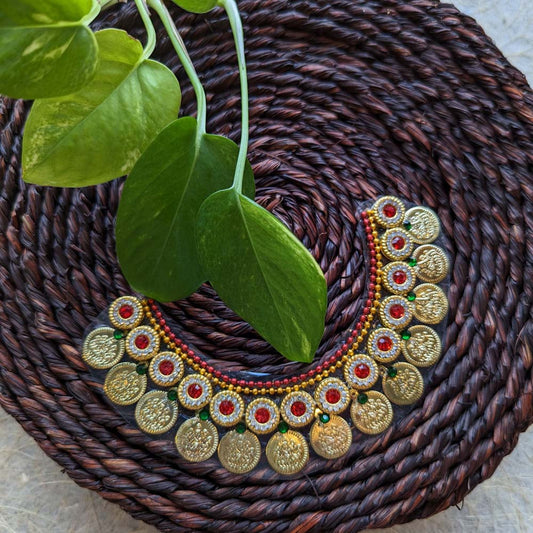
x,y
283,427
324,418
118,334
411,296
204,414
392,372
411,262
141,369
362,398
407,225
240,427
406,335
172,395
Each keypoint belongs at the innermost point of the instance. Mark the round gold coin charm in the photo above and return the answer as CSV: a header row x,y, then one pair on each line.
x,y
287,453
196,440
123,385
101,349
155,413
424,224
423,348
239,452
432,264
332,439
371,412
431,304
405,387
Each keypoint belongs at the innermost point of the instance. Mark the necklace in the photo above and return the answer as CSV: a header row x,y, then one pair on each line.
x,y
170,385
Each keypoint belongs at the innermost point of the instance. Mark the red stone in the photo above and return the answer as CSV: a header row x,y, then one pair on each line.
x,y
142,342
399,277
384,344
298,408
397,311
262,415
166,367
194,390
226,407
389,210
398,243
362,370
333,395
125,311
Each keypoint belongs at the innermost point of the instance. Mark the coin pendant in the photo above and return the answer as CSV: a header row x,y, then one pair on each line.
x,y
196,440
239,452
425,225
373,416
123,385
432,264
332,439
287,453
155,413
431,304
423,348
406,387
101,349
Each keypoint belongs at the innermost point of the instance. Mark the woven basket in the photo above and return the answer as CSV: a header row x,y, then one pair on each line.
x,y
350,99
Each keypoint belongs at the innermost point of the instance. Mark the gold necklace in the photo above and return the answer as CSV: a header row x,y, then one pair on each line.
x,y
403,301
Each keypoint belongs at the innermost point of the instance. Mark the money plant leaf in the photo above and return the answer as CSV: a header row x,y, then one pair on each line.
x,y
155,229
46,48
263,272
98,133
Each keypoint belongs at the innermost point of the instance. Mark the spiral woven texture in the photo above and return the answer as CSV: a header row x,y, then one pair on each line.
x,y
350,99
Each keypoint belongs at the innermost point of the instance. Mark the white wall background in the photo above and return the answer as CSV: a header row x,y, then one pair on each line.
x,y
35,497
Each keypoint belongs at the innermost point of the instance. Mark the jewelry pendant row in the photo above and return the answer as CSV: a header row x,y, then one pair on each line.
x,y
151,368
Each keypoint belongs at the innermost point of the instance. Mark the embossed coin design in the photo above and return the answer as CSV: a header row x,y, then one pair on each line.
x,y
239,452
196,440
155,413
431,304
432,264
423,348
406,386
123,385
424,224
287,453
331,440
374,415
101,349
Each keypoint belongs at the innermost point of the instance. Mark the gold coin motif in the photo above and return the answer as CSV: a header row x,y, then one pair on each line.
x,y
425,225
332,439
123,385
431,304
239,452
155,413
373,416
196,440
432,264
423,348
101,349
404,388
287,453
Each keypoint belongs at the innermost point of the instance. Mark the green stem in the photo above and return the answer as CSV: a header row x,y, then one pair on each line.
x,y
186,61
238,35
150,30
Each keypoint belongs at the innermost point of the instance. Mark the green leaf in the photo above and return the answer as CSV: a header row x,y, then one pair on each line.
x,y
263,272
156,220
98,133
46,48
196,6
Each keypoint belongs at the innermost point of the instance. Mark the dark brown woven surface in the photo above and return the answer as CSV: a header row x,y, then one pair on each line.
x,y
349,100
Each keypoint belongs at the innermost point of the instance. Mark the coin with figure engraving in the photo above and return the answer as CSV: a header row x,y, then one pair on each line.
x,y
371,412
101,349
332,439
155,413
196,440
432,264
422,347
123,385
424,225
287,453
431,304
405,386
239,452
